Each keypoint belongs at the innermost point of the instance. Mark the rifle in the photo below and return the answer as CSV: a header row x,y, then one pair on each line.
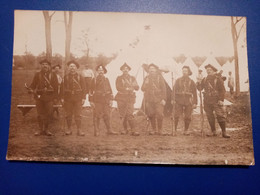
x,y
201,116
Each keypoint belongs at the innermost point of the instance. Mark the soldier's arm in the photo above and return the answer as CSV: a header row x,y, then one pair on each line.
x,y
145,84
221,89
135,84
119,85
163,88
194,92
83,87
34,81
55,85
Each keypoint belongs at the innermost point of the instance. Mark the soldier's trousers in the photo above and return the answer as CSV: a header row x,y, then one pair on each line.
x,y
44,111
183,109
126,110
155,111
220,113
73,108
102,110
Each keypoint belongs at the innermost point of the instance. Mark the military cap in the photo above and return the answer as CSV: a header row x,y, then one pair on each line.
x,y
212,67
56,66
153,65
45,61
101,67
73,62
125,65
189,70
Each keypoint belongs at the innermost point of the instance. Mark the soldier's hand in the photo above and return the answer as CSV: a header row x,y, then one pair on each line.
x,y
163,102
110,103
194,106
82,101
221,103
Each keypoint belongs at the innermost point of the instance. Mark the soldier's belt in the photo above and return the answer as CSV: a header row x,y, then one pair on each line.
x,y
184,93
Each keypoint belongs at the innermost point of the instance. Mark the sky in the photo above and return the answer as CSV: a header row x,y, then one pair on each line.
x,y
110,33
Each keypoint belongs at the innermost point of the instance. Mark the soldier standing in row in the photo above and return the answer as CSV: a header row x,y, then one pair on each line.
x,y
56,70
154,98
214,94
73,95
185,98
45,89
126,85
101,98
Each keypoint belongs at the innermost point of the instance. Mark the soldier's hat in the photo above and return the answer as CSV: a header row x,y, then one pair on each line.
x,y
200,70
101,67
212,67
73,62
56,66
187,67
45,61
125,65
153,65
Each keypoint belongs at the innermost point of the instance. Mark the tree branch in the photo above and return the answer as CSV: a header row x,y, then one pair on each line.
x,y
238,19
240,30
52,14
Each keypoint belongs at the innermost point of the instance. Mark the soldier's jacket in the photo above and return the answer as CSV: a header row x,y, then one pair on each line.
x,y
45,85
100,90
126,85
214,89
184,91
73,87
154,88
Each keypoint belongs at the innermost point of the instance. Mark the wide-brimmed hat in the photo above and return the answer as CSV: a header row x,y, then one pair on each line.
x,y
73,62
103,67
153,65
56,66
125,65
212,67
45,61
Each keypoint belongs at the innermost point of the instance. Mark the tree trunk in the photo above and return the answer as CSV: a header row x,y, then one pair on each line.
x,y
47,19
68,29
235,39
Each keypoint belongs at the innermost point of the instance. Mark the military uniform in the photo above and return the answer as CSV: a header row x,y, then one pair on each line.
x,y
184,97
88,76
73,92
154,93
100,94
45,85
126,85
214,92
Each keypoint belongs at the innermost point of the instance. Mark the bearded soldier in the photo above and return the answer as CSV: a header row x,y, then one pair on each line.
x,y
73,95
100,98
154,89
214,94
45,89
185,98
126,85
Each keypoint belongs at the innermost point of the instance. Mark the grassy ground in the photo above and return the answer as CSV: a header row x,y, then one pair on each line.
x,y
180,149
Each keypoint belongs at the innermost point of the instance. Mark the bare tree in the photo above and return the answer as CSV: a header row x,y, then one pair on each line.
x,y
47,19
237,24
68,16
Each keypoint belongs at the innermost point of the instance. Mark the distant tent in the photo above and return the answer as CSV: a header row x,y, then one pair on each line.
x,y
211,60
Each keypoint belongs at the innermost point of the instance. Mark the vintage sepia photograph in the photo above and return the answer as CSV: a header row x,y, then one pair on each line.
x,y
141,88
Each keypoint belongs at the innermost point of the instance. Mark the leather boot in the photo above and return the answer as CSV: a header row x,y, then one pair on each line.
x,y
107,124
40,123
78,124
223,128
186,126
123,132
132,126
68,132
96,122
153,124
46,130
213,127
159,125
176,121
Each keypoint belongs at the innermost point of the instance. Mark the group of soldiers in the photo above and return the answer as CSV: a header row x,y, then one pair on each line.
x,y
49,88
